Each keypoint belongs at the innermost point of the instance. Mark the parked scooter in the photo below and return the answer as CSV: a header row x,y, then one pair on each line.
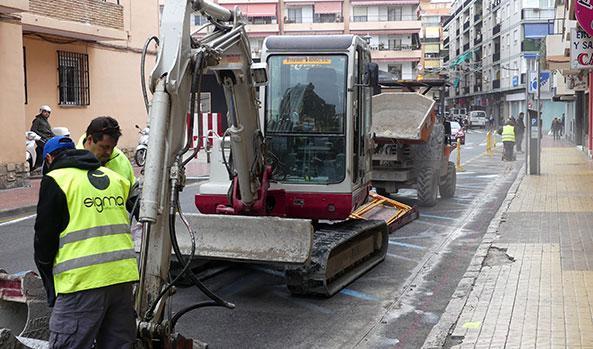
x,y
140,155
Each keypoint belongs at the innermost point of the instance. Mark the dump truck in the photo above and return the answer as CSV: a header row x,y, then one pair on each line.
x,y
412,141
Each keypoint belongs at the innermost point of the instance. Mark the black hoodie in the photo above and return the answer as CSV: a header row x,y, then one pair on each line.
x,y
52,214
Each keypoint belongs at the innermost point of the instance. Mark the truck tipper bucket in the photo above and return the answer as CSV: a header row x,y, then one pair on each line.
x,y
23,307
402,116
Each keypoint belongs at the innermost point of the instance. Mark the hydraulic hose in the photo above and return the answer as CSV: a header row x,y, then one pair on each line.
x,y
142,64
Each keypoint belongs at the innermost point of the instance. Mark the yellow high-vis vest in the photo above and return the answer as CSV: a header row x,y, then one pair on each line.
x,y
96,248
508,133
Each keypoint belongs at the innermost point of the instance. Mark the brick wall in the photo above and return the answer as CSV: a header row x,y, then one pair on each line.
x,y
96,12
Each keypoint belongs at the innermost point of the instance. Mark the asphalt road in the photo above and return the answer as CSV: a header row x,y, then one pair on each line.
x,y
394,305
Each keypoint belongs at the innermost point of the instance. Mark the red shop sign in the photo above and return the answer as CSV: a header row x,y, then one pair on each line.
x,y
584,14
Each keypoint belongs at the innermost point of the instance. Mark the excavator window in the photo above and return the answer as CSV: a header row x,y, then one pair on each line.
x,y
305,117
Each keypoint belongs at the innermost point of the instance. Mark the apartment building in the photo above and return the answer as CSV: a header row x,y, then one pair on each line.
x,y
80,57
392,27
491,43
432,14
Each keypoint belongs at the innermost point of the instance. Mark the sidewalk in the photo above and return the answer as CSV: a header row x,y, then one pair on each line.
x,y
535,285
23,201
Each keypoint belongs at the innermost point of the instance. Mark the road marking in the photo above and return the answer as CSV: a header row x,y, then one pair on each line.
x,y
401,257
16,220
357,294
436,217
487,176
403,244
464,173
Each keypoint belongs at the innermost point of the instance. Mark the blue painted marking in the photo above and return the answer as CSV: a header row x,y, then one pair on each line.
x,y
352,293
401,257
403,244
436,217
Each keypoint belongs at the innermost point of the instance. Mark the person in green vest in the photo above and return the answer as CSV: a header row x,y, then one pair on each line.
x,y
83,250
508,140
101,139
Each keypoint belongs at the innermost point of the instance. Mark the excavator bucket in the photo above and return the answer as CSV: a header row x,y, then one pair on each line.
x,y
23,309
394,213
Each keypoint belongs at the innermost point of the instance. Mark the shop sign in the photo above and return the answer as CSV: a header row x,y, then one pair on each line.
x,y
584,14
581,49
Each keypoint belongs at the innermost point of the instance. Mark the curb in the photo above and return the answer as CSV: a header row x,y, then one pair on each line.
x,y
16,212
439,333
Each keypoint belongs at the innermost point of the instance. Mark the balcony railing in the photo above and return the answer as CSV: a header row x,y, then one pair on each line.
x,y
383,47
496,57
496,29
315,19
465,47
537,14
496,83
383,18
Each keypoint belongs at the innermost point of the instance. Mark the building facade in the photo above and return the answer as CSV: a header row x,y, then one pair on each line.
x,y
491,43
433,13
392,27
80,57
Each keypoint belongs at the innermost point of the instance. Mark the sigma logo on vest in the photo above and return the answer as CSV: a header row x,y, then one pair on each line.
x,y
101,203
100,181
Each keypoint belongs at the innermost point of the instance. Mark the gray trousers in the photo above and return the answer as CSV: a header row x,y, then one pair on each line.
x,y
103,314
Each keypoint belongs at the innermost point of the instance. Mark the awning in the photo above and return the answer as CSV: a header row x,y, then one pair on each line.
x,y
254,10
261,10
328,7
385,2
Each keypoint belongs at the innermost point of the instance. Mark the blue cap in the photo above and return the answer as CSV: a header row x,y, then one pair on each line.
x,y
57,143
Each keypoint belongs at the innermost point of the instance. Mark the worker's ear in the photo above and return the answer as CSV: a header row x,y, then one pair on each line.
x,y
89,139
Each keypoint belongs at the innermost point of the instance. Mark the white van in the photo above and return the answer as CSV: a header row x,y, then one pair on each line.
x,y
477,118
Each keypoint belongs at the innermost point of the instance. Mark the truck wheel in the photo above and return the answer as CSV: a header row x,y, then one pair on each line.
x,y
427,187
448,182
433,148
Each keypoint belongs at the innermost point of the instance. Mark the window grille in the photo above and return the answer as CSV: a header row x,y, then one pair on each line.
x,y
73,84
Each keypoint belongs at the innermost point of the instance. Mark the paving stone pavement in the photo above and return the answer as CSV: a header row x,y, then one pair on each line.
x,y
535,287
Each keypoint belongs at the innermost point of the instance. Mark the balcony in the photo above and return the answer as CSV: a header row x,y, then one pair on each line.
x,y
263,28
477,18
478,40
13,6
495,4
496,57
465,47
495,84
466,26
536,14
496,29
378,23
305,28
446,41
83,19
402,55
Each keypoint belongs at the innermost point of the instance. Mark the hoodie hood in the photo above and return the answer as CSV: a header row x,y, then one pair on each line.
x,y
76,158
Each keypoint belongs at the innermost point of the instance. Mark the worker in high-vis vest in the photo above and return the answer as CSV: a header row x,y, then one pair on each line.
x,y
508,141
84,250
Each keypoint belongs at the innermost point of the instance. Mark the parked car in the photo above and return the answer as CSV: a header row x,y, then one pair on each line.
x,y
477,118
457,133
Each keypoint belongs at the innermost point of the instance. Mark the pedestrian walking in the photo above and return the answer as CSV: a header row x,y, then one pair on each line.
x,y
508,141
519,132
84,250
101,139
556,128
562,121
41,127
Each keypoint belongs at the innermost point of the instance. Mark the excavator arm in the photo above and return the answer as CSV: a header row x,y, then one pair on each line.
x,y
175,84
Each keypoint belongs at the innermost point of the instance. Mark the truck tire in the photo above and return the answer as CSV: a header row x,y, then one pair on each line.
x,y
433,149
448,182
427,186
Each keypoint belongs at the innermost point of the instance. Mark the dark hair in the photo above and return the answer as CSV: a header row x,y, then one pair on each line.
x,y
103,125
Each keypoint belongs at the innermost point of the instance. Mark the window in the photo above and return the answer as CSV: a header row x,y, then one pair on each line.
x,y
396,70
326,17
199,20
360,14
395,43
295,15
73,71
516,37
394,13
